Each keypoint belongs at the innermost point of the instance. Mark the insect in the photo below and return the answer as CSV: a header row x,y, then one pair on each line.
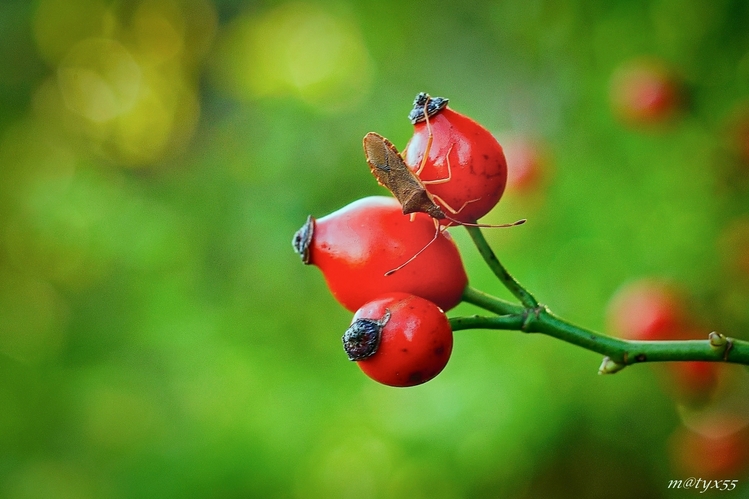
x,y
391,171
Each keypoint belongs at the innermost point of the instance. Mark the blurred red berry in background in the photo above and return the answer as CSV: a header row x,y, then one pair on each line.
x,y
693,382
651,310
644,92
716,456
646,310
527,164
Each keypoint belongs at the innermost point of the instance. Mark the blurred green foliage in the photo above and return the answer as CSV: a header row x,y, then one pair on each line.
x,y
158,336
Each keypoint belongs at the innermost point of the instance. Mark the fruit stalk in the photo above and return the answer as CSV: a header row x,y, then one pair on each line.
x,y
525,297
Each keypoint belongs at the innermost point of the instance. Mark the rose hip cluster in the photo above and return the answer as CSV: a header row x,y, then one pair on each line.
x,y
390,260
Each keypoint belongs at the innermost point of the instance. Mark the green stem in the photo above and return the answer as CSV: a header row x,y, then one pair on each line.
x,y
619,352
510,322
535,318
490,303
491,259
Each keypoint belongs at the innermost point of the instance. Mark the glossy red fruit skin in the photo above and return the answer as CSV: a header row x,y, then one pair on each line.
x,y
355,246
416,341
646,310
477,163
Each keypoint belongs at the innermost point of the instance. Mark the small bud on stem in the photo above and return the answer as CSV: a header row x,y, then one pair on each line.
x,y
717,340
609,366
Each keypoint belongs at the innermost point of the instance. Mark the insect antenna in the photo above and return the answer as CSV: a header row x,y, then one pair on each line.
x,y
469,224
441,228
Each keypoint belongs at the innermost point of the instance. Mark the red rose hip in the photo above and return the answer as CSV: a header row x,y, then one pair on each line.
x,y
462,151
399,340
357,245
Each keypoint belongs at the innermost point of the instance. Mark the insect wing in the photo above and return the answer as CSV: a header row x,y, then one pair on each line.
x,y
391,171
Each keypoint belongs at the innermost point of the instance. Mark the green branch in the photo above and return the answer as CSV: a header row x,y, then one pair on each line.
x,y
490,303
511,322
491,259
535,318
619,353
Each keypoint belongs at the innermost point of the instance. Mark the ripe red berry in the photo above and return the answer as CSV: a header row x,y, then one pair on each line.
x,y
355,246
461,150
644,92
646,310
399,339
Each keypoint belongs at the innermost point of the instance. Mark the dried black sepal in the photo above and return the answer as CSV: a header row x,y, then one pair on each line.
x,y
303,239
433,106
362,338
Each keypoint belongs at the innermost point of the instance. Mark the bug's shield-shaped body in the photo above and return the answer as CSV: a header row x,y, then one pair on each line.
x,y
391,171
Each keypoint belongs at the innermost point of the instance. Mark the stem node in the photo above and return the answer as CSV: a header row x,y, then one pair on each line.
x,y
530,318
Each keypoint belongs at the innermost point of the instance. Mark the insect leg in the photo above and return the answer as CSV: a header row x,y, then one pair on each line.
x,y
450,208
438,229
429,141
449,173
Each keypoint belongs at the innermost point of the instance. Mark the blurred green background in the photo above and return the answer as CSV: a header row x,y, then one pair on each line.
x,y
159,337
